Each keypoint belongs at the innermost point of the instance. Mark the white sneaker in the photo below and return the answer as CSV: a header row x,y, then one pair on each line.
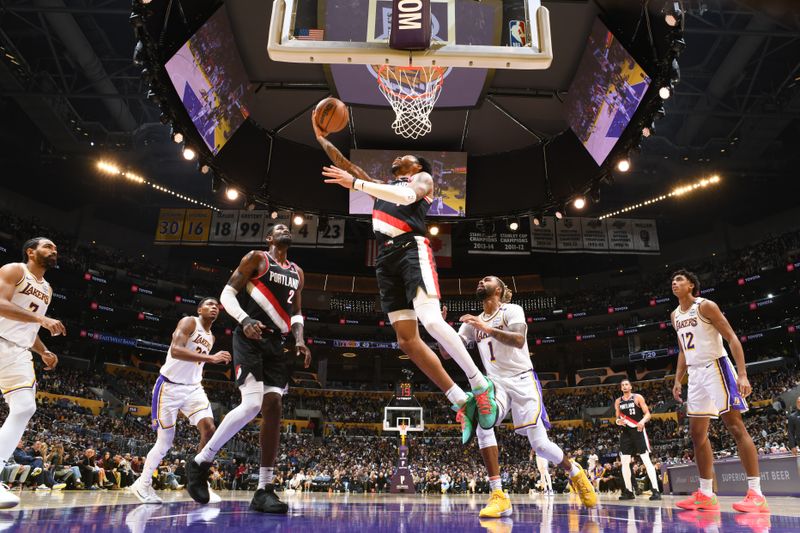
x,y
43,487
145,493
213,497
7,499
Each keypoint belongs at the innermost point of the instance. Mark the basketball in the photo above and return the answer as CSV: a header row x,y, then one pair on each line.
x,y
332,115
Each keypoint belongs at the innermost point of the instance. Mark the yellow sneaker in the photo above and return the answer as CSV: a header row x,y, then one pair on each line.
x,y
499,505
581,484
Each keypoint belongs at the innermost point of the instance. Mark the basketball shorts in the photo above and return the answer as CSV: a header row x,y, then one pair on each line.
x,y
522,395
404,264
633,442
170,398
16,368
712,390
264,358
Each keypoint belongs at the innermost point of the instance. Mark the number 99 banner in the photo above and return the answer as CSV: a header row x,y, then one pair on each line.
x,y
235,227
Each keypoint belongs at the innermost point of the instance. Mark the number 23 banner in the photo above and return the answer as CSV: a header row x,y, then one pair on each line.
x,y
234,227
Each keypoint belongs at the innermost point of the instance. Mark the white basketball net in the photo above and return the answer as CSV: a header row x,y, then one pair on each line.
x,y
412,93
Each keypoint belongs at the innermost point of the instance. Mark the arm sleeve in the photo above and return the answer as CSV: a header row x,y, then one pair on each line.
x,y
231,304
391,193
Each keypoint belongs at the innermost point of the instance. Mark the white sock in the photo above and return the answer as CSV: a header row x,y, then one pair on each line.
x,y
626,472
707,486
265,476
754,484
456,395
651,470
235,420
573,471
495,483
156,454
21,406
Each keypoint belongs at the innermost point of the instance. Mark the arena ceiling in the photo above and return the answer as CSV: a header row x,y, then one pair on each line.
x,y
67,80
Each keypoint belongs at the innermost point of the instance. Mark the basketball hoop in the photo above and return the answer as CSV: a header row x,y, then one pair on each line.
x,y
412,92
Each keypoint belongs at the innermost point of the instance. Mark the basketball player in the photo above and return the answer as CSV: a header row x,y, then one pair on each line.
x,y
714,391
24,298
501,335
407,278
179,388
543,466
632,415
269,287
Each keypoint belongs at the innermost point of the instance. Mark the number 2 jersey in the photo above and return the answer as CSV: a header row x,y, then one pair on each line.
x,y
500,360
699,339
268,297
34,295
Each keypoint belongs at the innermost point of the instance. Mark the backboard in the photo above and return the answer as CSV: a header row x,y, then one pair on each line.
x,y
393,417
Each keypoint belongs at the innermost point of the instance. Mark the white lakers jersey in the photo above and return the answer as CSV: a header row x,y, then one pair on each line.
x,y
500,360
189,372
34,295
700,341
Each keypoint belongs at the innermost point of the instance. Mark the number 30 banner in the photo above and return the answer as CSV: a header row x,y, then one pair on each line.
x,y
233,227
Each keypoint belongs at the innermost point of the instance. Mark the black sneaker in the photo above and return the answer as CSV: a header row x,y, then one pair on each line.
x,y
627,495
655,496
197,481
266,501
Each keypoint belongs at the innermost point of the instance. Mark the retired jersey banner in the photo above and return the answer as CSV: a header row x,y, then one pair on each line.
x,y
497,238
242,227
594,236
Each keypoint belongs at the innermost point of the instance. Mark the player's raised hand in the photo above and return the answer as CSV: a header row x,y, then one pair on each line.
x,y
252,328
444,312
318,132
49,359
338,176
55,327
302,349
221,358
676,391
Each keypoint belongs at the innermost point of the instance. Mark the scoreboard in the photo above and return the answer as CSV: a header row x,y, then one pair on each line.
x,y
405,390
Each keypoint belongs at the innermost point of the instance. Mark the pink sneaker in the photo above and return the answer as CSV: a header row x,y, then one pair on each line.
x,y
699,502
752,503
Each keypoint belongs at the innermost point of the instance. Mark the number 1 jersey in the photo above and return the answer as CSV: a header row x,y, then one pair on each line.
x,y
500,360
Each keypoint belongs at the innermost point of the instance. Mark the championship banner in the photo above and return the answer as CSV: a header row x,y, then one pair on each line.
x,y
498,239
620,235
569,235
543,236
595,236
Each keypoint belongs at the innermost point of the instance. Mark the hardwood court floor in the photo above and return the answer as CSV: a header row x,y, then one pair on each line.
x,y
83,511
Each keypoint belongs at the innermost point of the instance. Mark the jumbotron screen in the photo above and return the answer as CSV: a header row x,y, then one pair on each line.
x,y
211,82
605,93
449,179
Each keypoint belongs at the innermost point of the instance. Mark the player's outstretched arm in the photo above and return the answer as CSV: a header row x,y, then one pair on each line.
x,y
334,154
712,312
248,268
297,322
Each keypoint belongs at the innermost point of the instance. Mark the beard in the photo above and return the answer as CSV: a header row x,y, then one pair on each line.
x,y
284,239
481,293
395,169
47,261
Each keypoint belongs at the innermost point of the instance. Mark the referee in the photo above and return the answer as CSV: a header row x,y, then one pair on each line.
x,y
794,428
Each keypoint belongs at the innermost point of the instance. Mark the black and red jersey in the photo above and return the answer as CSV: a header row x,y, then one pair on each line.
x,y
629,411
391,220
269,296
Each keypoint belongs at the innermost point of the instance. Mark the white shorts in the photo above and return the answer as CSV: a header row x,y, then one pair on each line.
x,y
16,368
170,398
712,390
522,395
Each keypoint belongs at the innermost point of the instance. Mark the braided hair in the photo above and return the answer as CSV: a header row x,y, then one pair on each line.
x,y
505,296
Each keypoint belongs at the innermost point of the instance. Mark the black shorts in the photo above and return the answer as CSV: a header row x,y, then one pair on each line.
x,y
264,358
403,265
633,442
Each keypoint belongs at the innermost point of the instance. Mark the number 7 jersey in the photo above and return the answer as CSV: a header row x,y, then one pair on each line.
x,y
500,360
269,296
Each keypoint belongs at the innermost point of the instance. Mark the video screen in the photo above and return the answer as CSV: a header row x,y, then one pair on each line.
x,y
449,179
605,93
210,80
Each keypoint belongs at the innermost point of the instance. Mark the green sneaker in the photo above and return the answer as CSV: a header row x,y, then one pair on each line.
x,y
487,406
465,415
